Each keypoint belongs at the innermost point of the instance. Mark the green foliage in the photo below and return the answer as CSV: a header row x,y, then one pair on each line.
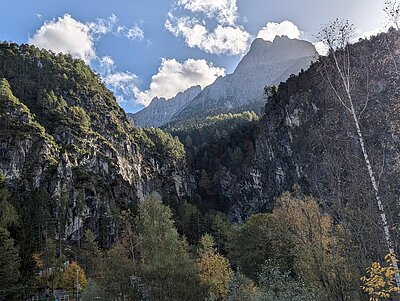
x,y
214,269
78,118
242,288
90,253
117,278
8,213
213,145
9,264
262,237
276,285
167,270
164,144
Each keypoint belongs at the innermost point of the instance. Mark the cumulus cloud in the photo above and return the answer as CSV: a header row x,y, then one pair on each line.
x,y
225,11
174,77
70,36
321,48
285,28
194,21
66,35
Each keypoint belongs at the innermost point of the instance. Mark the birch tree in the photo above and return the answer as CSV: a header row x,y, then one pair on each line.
x,y
337,72
392,11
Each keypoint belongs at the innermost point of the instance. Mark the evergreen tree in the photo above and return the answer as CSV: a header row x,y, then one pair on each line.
x,y
277,286
165,266
117,276
90,253
9,264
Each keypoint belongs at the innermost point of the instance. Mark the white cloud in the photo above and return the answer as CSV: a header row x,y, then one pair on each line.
x,y
70,36
367,34
321,48
102,26
66,35
133,33
107,64
272,29
123,84
174,77
197,26
225,11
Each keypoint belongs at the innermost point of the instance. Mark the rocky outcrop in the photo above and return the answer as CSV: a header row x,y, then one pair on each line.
x,y
306,138
63,136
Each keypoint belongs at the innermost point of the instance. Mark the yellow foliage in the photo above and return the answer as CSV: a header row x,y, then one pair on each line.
x,y
214,269
70,275
380,281
37,258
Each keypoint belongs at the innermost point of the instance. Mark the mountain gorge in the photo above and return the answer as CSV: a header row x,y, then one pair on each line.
x,y
276,202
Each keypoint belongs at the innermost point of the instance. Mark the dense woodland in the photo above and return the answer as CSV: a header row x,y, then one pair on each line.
x,y
322,238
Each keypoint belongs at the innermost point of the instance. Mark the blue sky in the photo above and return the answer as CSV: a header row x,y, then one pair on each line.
x,y
148,48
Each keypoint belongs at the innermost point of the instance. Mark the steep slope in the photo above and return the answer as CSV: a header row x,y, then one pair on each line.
x,y
160,110
307,139
64,139
266,64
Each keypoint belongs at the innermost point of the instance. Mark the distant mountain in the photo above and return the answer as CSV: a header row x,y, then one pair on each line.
x,y
160,110
266,63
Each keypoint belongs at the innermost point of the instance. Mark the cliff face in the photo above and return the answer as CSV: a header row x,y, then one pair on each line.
x,y
63,136
307,138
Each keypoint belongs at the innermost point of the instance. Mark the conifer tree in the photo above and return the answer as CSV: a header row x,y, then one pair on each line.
x,y
166,268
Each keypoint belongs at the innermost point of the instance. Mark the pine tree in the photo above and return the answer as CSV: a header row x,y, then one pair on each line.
x,y
90,252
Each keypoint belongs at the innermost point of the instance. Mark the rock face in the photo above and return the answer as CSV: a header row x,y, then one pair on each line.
x,y
266,64
307,138
160,110
63,136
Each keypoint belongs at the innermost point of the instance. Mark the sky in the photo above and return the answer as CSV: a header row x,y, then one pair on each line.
x,y
157,48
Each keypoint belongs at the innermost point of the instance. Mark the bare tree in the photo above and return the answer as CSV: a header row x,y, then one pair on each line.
x,y
337,72
392,10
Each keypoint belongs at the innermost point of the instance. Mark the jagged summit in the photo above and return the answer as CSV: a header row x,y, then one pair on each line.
x,y
266,63
160,110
